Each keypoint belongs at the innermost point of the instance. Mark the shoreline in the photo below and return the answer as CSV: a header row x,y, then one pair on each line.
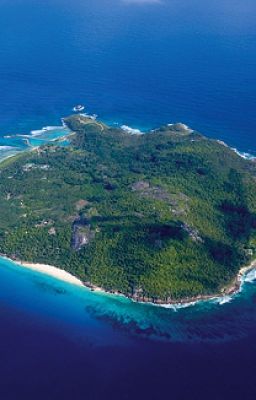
x,y
49,270
231,290
243,154
32,148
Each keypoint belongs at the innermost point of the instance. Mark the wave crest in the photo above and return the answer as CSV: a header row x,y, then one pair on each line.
x,y
130,130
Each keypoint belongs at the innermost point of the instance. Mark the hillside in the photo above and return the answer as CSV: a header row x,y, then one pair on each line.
x,y
161,216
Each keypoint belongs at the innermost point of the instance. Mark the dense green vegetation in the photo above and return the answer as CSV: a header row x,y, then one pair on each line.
x,y
164,215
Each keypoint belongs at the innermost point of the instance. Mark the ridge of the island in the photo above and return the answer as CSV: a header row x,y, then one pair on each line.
x,y
166,216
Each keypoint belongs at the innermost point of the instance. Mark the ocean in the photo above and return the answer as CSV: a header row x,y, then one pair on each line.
x,y
61,341
141,63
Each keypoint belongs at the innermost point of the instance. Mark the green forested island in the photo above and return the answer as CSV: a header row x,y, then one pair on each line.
x,y
160,216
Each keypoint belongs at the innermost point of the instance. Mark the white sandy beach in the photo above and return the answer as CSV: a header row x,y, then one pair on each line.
x,y
65,276
52,271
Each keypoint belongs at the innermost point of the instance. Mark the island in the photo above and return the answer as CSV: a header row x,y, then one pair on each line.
x,y
165,216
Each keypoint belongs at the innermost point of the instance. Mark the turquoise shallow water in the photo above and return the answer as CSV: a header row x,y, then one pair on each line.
x,y
13,144
59,341
207,321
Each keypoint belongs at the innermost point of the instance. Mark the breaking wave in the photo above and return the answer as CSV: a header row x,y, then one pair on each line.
x,y
130,130
245,155
183,126
3,148
39,132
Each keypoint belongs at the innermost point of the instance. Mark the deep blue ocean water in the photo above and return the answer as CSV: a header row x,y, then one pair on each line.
x,y
60,341
135,62
141,63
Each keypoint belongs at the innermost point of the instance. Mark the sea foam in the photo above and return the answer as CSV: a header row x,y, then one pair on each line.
x,y
133,131
223,300
183,126
246,156
250,276
178,306
3,148
39,132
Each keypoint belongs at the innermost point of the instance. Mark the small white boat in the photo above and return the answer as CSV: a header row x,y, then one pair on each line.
x,y
78,108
